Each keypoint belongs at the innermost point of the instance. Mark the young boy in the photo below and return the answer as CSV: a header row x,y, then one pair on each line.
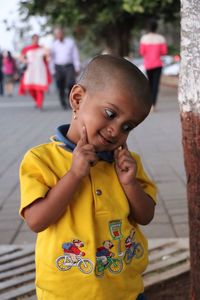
x,y
85,193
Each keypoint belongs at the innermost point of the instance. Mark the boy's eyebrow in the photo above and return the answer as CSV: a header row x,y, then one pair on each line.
x,y
118,110
114,106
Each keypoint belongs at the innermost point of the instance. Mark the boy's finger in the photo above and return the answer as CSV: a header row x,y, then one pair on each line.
x,y
124,146
83,139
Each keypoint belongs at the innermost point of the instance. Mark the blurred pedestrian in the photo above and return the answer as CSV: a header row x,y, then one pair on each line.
x,y
152,47
36,77
9,70
1,74
66,62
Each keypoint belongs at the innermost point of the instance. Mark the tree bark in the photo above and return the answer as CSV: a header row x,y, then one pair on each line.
x,y
189,100
191,146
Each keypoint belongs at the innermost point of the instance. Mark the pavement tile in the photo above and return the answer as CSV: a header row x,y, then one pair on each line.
x,y
180,219
6,236
25,237
182,230
159,231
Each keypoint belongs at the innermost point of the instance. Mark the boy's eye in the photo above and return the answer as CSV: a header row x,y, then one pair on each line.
x,y
127,127
109,113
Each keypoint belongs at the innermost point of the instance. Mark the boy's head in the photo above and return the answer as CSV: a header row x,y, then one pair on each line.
x,y
111,98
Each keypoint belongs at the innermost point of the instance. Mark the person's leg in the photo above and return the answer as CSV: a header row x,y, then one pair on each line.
x,y
10,88
150,77
39,98
61,84
33,95
156,74
70,80
1,84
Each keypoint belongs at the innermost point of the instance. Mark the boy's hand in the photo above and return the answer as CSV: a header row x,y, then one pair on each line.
x,y
84,156
125,165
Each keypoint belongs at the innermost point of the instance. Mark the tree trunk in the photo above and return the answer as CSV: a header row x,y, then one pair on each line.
x,y
189,100
191,145
117,38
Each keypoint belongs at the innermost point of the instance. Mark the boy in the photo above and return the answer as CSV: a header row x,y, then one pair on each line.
x,y
87,186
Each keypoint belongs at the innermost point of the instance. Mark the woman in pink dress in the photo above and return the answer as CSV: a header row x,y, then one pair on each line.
x,y
9,70
152,47
36,77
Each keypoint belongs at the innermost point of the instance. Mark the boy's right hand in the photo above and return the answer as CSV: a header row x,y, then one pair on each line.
x,y
84,156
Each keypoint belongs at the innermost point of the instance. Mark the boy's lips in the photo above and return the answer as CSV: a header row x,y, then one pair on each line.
x,y
105,140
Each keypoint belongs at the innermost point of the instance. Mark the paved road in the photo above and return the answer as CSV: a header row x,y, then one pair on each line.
x,y
157,140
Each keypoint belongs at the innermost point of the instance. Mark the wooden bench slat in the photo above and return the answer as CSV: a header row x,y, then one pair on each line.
x,y
18,271
20,291
159,277
15,255
167,263
7,249
160,254
16,281
15,264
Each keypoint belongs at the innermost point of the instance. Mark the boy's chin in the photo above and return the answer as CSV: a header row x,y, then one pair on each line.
x,y
105,149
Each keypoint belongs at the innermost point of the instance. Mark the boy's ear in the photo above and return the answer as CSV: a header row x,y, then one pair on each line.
x,y
76,95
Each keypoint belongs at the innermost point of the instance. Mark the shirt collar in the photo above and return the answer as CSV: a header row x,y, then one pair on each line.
x,y
61,136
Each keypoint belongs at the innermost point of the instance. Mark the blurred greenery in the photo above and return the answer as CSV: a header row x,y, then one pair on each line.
x,y
105,24
173,50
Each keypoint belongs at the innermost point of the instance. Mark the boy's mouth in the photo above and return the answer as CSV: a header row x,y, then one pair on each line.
x,y
105,140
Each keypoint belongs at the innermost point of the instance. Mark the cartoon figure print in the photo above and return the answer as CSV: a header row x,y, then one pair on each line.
x,y
132,248
105,260
73,257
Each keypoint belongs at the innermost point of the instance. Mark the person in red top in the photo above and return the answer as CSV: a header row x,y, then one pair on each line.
x,y
152,47
36,77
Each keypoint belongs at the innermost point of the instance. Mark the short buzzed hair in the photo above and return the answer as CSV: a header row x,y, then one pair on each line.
x,y
105,69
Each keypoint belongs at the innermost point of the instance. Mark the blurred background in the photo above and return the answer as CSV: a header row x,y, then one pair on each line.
x,y
98,27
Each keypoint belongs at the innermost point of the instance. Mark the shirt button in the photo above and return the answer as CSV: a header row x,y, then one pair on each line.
x,y
98,192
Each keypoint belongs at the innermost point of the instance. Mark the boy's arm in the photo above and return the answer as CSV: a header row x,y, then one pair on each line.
x,y
141,204
40,214
46,211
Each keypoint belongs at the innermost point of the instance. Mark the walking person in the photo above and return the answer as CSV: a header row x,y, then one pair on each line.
x,y
85,193
9,70
66,62
36,77
152,47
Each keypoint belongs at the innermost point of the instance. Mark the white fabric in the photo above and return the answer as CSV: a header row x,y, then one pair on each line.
x,y
153,38
65,52
36,70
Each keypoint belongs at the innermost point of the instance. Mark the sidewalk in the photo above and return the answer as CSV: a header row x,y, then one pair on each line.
x,y
157,140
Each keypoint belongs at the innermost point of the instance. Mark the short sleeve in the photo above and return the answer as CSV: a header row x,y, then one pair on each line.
x,y
147,184
33,179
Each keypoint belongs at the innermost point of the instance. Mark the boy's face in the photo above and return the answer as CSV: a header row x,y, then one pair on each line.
x,y
108,116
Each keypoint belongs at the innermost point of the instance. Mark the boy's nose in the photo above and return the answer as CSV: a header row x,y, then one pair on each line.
x,y
113,131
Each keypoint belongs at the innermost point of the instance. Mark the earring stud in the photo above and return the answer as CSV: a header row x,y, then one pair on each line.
x,y
75,116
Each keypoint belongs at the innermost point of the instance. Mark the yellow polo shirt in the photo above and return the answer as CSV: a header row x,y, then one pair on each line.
x,y
98,213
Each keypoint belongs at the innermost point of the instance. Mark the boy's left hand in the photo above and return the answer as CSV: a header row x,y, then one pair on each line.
x,y
125,165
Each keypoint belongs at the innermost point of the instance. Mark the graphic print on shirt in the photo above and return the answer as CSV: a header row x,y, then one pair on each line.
x,y
105,260
73,257
115,231
105,257
132,248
